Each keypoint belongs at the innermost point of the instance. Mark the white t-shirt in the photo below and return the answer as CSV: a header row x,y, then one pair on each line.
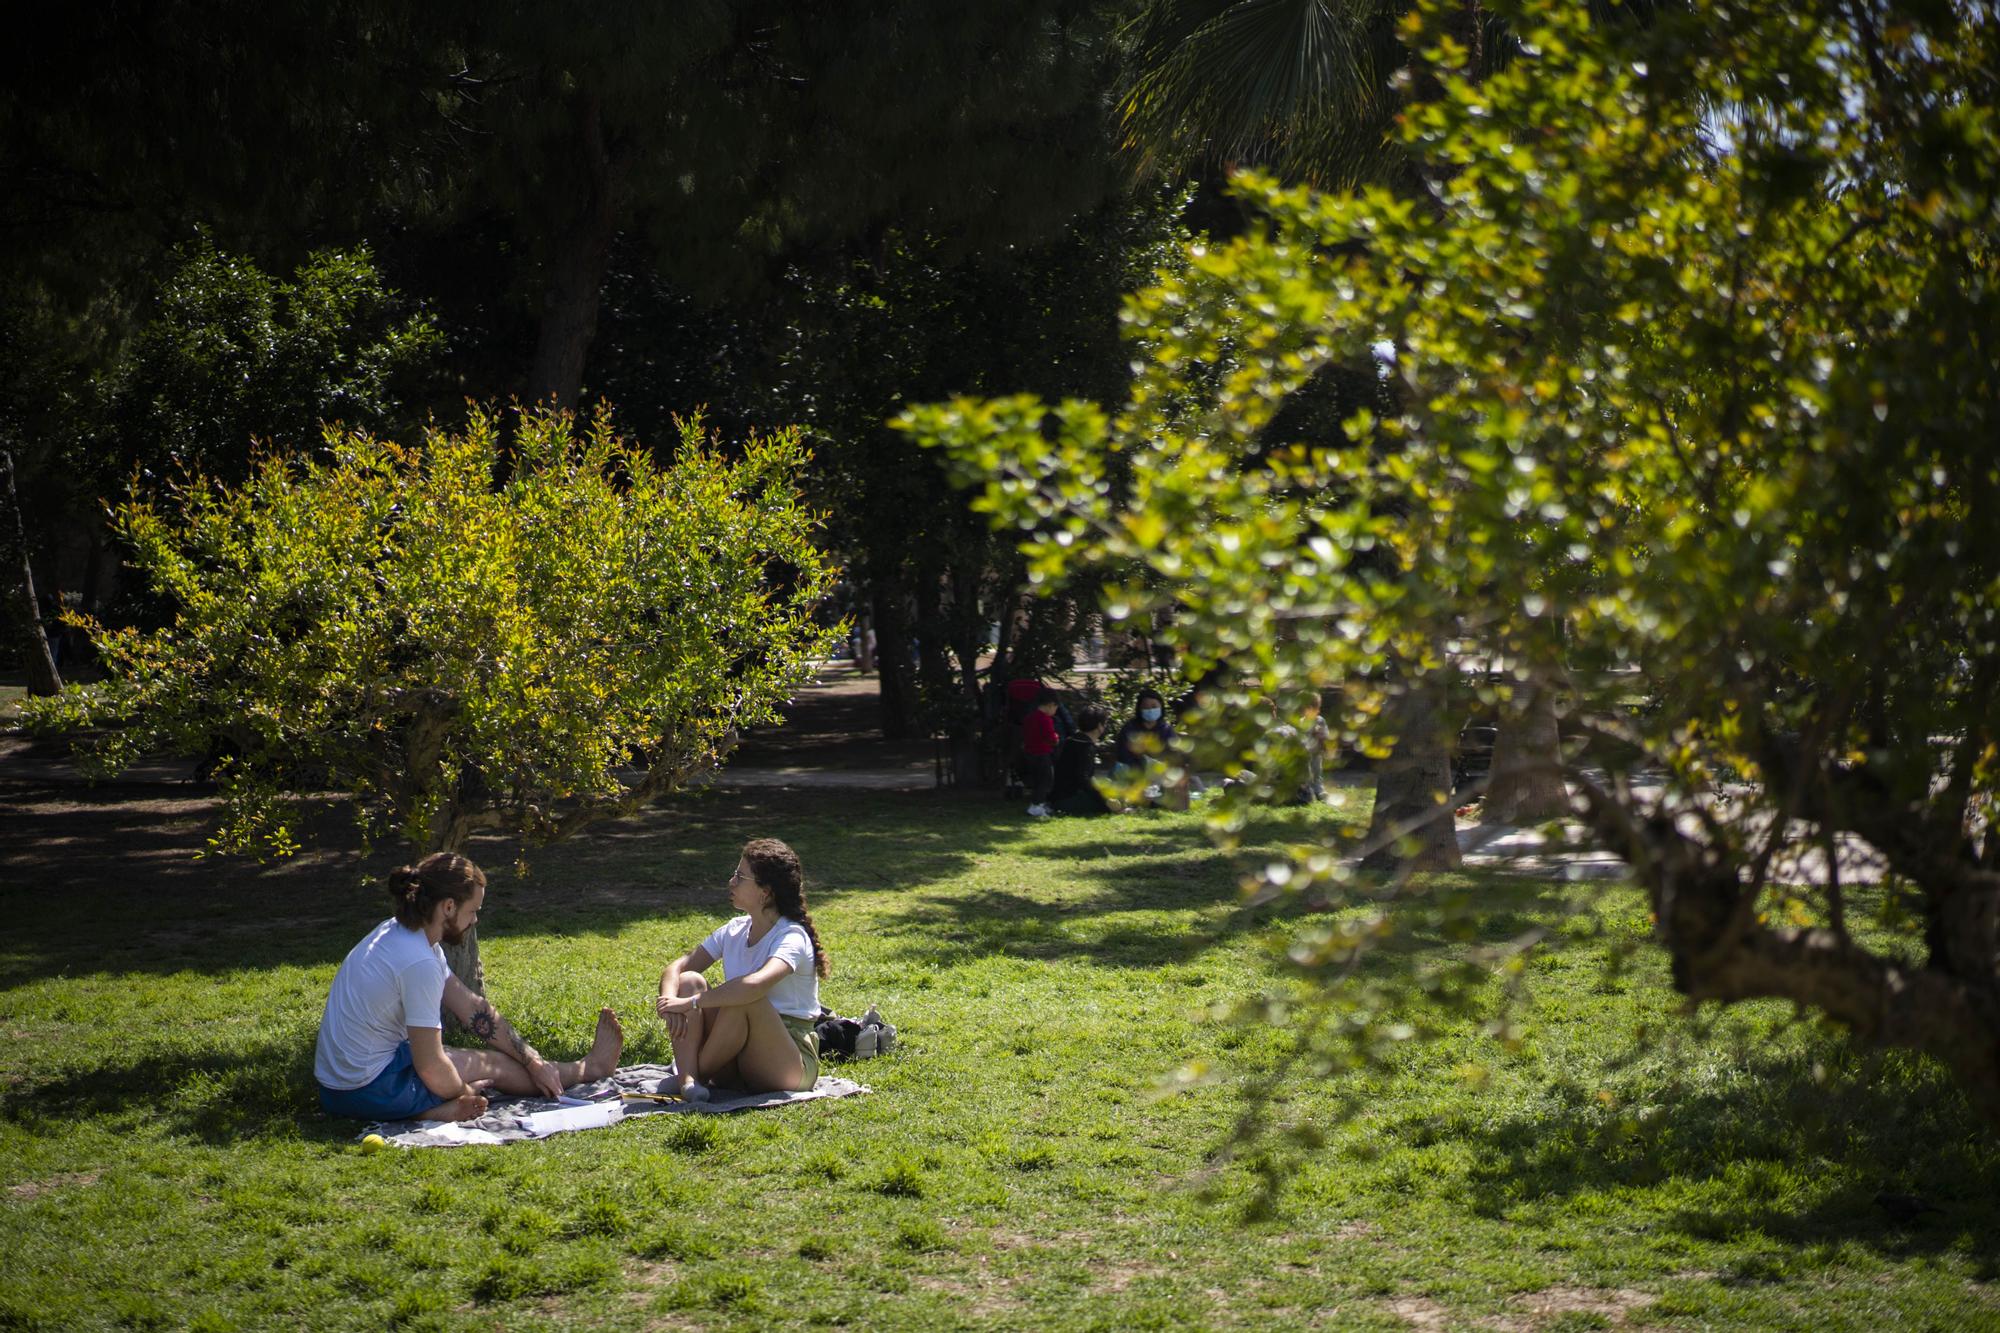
x,y
392,981
796,995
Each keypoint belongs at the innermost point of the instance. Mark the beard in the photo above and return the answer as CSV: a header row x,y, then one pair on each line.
x,y
453,935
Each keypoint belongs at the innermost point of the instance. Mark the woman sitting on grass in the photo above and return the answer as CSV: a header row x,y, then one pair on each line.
x,y
755,1030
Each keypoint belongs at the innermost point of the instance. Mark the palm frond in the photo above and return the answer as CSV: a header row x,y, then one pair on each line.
x,y
1298,85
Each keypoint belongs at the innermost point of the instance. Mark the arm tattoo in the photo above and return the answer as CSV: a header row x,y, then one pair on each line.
x,y
519,1044
483,1021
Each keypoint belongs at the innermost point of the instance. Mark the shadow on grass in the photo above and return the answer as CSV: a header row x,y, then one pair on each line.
x,y
1762,1137
261,1090
106,879
1144,875
941,931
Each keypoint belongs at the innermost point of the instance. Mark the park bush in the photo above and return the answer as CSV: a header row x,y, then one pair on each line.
x,y
520,625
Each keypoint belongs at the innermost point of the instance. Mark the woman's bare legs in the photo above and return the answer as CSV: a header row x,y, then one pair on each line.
x,y
509,1075
687,1041
744,1043
768,1059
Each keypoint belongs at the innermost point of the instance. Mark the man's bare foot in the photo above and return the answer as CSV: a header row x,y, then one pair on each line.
x,y
605,1049
469,1107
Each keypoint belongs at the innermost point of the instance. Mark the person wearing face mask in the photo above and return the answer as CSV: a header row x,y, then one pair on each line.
x,y
1147,734
1142,745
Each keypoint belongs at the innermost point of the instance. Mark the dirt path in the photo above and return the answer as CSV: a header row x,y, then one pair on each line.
x,y
831,737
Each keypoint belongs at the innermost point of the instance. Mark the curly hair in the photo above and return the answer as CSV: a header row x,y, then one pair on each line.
x,y
776,867
419,888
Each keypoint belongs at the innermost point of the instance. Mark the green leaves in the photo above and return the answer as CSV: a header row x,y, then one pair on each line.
x,y
234,360
393,623
1681,358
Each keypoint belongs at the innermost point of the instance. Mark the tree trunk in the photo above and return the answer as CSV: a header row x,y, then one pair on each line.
x,y
449,835
892,662
22,609
463,958
933,650
968,633
580,250
1526,785
1411,827
1721,949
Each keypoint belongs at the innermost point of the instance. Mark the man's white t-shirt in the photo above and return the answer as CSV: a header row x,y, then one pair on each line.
x,y
393,980
796,995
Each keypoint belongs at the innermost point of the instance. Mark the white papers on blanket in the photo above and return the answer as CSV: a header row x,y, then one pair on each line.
x,y
457,1132
541,1124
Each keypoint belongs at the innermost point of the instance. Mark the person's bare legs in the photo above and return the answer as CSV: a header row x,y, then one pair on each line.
x,y
510,1076
606,1045
769,1060
687,1042
727,1029
469,1107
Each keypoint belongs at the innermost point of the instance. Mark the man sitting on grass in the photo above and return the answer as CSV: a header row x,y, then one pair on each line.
x,y
381,1053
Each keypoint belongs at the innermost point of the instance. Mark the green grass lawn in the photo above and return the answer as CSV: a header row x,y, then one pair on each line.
x,y
1022,1162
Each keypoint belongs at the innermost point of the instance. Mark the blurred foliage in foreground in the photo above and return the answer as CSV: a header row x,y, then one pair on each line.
x,y
1687,364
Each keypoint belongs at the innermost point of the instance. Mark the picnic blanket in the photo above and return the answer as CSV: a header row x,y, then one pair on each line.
x,y
592,1106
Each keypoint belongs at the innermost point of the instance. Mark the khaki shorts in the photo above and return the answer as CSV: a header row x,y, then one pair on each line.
x,y
807,1040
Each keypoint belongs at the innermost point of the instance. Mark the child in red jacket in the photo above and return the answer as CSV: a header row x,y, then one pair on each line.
x,y
1038,751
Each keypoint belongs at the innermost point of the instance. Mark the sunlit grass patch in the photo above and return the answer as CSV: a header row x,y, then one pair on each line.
x,y
1028,1157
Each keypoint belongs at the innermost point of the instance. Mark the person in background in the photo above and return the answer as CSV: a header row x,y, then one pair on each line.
x,y
1074,791
1038,752
1317,737
1021,695
1301,751
1147,734
1142,743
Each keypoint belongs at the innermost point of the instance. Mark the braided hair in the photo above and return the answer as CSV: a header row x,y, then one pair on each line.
x,y
417,889
776,867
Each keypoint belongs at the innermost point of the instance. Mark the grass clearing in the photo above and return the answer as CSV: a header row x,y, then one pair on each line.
x,y
162,1163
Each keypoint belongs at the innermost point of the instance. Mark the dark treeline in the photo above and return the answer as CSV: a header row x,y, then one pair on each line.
x,y
228,224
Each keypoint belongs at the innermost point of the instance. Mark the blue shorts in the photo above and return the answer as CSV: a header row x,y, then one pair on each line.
x,y
394,1094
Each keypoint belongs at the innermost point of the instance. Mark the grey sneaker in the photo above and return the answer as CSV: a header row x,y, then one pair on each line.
x,y
885,1039
867,1043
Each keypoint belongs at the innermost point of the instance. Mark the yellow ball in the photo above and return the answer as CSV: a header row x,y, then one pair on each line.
x,y
374,1143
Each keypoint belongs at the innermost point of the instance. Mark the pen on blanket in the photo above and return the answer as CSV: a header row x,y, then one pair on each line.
x,y
648,1097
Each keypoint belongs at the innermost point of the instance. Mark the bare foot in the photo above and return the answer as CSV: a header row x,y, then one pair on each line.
x,y
468,1107
605,1049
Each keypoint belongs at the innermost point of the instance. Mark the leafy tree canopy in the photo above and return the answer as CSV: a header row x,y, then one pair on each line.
x,y
231,354
457,653
1695,372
